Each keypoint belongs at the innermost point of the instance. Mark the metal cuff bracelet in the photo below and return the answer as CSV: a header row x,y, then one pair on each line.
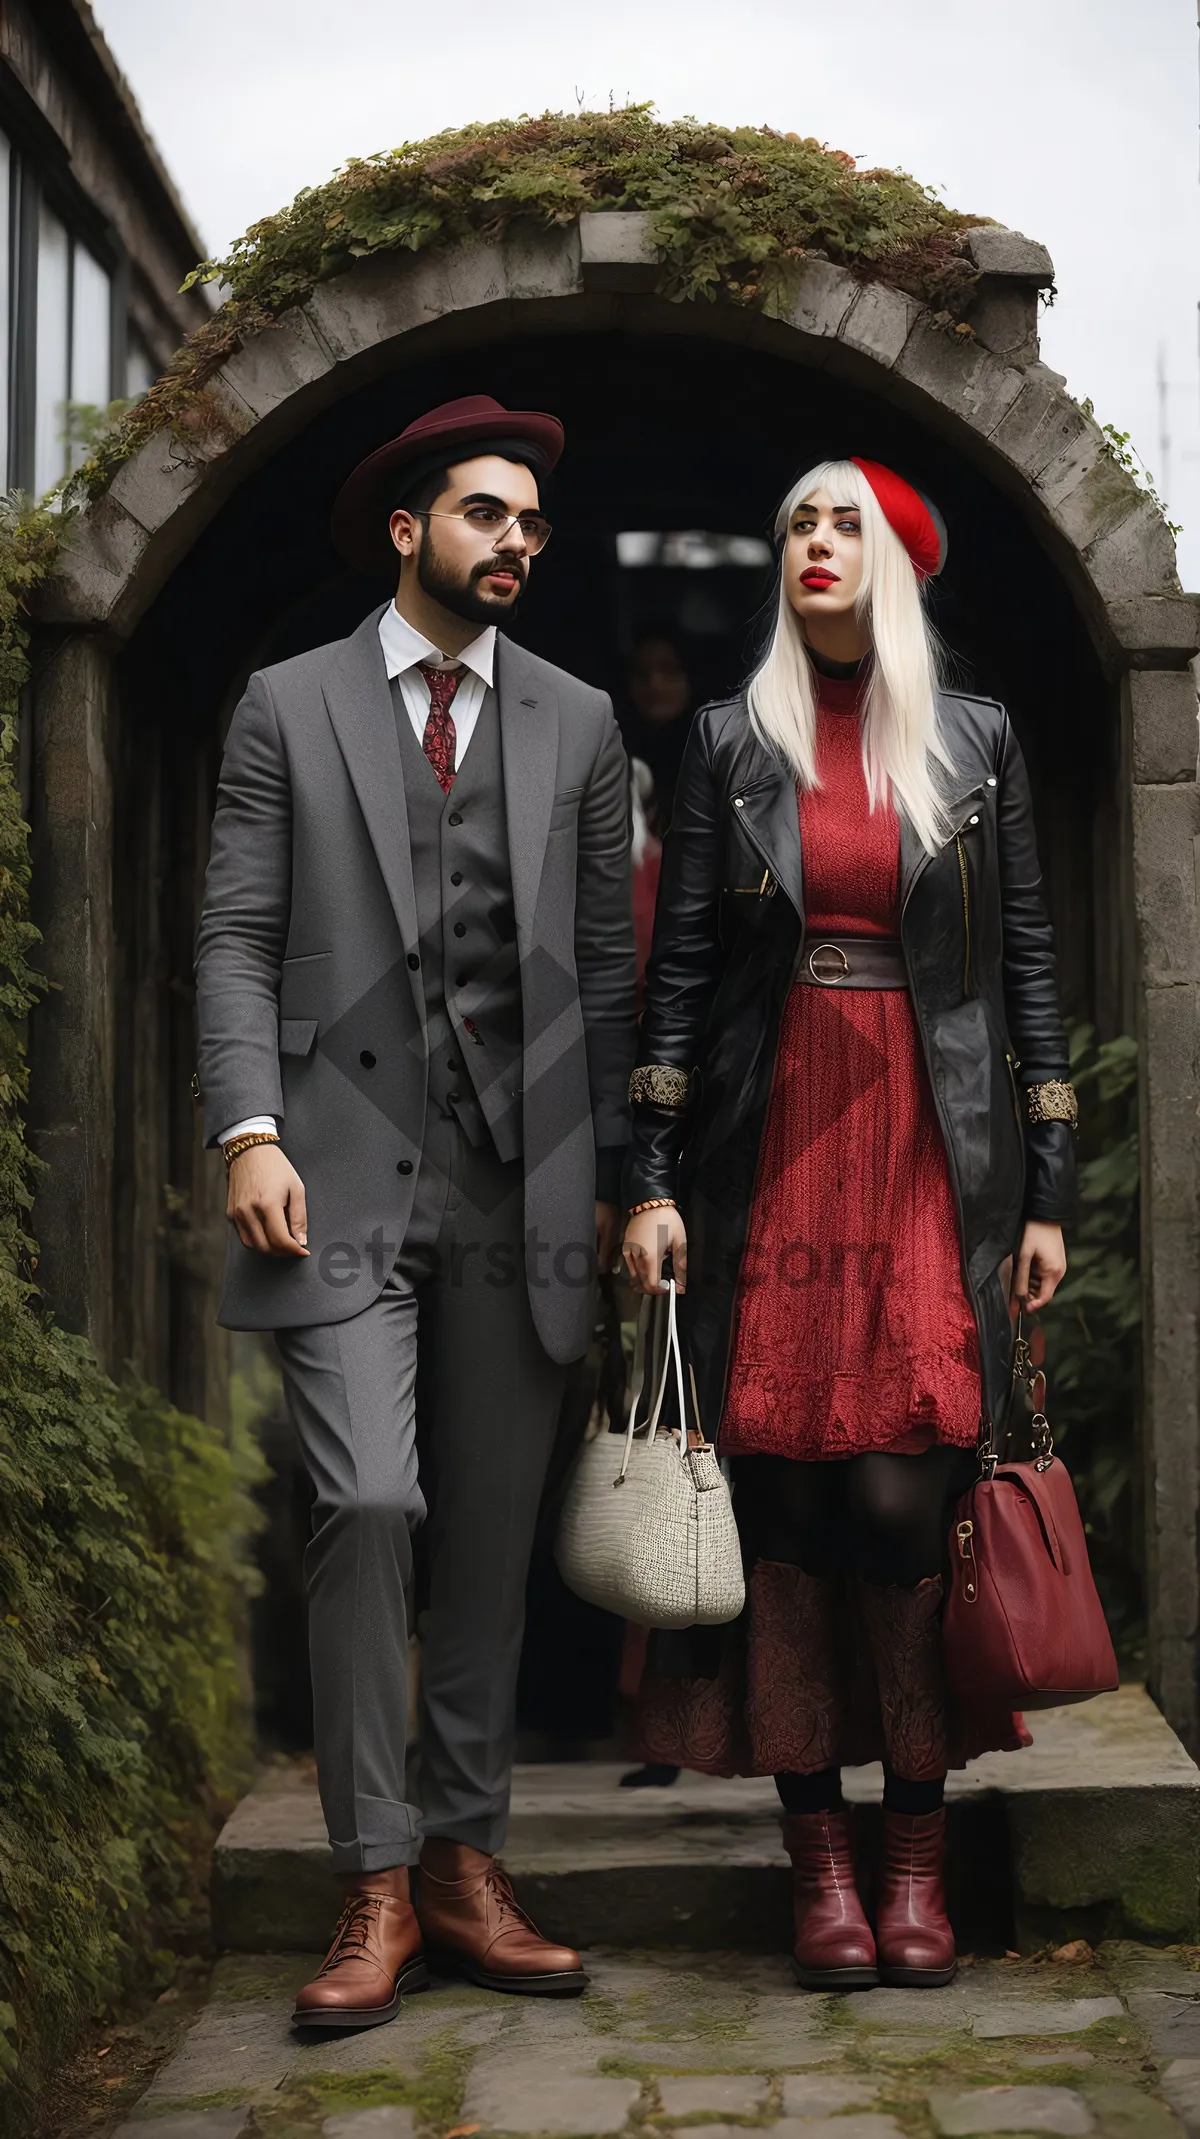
x,y
1052,1101
661,1085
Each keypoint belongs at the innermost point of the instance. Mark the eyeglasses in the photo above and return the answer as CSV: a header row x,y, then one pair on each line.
x,y
490,521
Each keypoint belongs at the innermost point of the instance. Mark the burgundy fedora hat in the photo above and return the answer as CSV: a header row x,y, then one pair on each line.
x,y
455,430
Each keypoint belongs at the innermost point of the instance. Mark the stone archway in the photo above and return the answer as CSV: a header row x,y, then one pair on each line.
x,y
985,398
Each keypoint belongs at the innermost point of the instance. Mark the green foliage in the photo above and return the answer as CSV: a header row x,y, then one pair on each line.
x,y
1093,1326
123,1575
1120,447
28,547
86,423
122,1579
733,211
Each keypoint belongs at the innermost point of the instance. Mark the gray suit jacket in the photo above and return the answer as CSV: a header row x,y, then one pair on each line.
x,y
307,957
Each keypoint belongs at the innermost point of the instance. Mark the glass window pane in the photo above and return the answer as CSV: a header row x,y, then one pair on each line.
x,y
52,385
91,350
5,299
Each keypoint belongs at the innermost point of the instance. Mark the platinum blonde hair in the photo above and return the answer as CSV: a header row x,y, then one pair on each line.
x,y
902,747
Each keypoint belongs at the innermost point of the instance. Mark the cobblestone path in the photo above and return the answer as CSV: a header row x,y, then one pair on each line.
x,y
720,2043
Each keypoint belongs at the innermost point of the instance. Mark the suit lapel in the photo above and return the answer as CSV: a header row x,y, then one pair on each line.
x,y
767,802
359,701
529,720
963,788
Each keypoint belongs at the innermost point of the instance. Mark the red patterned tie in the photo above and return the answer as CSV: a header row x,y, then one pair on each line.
x,y
439,741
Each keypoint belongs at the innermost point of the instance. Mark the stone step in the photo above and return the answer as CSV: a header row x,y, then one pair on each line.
x,y
1093,1831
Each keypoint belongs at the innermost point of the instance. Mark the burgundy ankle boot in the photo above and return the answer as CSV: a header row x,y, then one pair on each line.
x,y
834,1947
912,1931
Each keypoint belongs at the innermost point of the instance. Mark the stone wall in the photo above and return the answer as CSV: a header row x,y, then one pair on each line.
x,y
988,396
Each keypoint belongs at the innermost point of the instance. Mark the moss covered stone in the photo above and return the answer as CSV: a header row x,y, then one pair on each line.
x,y
123,1574
731,210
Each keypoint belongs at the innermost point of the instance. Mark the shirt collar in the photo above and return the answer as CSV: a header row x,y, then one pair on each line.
x,y
403,648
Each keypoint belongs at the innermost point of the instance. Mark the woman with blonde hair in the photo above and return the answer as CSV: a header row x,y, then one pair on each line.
x,y
853,1137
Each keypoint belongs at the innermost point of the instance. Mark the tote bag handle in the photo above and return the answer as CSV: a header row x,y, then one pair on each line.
x,y
673,1356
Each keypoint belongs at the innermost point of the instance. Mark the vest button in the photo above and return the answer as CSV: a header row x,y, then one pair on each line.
x,y
404,1166
456,876
462,980
367,1058
453,1068
413,961
460,928
454,1097
455,817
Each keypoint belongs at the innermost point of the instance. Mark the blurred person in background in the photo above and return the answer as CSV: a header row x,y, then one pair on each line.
x,y
646,856
657,712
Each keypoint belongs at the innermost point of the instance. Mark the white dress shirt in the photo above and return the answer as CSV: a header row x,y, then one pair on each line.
x,y
404,650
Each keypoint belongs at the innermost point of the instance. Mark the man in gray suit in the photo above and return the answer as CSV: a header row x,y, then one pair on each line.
x,y
415,983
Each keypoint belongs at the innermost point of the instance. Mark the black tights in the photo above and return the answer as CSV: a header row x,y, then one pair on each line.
x,y
883,1518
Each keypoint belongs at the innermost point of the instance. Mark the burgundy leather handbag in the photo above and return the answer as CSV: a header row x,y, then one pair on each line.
x,y
1023,1621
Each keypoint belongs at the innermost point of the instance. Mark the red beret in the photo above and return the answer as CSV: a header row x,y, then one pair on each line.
x,y
910,514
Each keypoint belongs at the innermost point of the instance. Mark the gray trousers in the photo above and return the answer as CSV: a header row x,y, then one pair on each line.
x,y
438,1406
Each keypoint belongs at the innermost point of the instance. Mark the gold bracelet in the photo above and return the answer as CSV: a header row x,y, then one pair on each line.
x,y
1053,1101
661,1084
236,1144
655,1203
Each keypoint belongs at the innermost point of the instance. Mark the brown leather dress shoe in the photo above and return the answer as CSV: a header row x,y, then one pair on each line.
x,y
376,1956
916,1944
473,1923
834,1947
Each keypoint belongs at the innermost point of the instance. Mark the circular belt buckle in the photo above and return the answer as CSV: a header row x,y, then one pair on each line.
x,y
826,974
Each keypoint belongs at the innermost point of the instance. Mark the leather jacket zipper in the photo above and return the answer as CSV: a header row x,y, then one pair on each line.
x,y
966,898
765,890
1013,1067
971,804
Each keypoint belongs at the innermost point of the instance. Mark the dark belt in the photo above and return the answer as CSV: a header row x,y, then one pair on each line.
x,y
851,962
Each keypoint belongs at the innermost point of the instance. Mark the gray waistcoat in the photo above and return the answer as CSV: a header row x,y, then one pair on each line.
x,y
468,933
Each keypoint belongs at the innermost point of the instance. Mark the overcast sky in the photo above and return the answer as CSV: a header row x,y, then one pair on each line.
x,y
1073,120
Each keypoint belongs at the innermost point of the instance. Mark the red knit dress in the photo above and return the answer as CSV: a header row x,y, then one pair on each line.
x,y
853,1330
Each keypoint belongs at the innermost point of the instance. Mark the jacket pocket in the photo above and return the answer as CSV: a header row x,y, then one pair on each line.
x,y
296,1035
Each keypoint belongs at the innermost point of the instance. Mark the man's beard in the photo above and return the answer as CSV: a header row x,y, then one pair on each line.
x,y
465,597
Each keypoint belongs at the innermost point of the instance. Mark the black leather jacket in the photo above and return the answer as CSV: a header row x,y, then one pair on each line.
x,y
979,951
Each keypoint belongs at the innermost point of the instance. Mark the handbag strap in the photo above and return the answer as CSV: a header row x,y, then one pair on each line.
x,y
1034,1379
672,1356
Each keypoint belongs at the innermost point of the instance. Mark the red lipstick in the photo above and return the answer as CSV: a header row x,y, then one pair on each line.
x,y
817,579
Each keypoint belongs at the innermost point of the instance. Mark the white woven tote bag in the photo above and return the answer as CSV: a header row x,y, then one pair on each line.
x,y
652,1537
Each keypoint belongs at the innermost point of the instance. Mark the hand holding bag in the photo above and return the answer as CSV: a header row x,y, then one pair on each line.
x,y
1023,1620
653,1538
